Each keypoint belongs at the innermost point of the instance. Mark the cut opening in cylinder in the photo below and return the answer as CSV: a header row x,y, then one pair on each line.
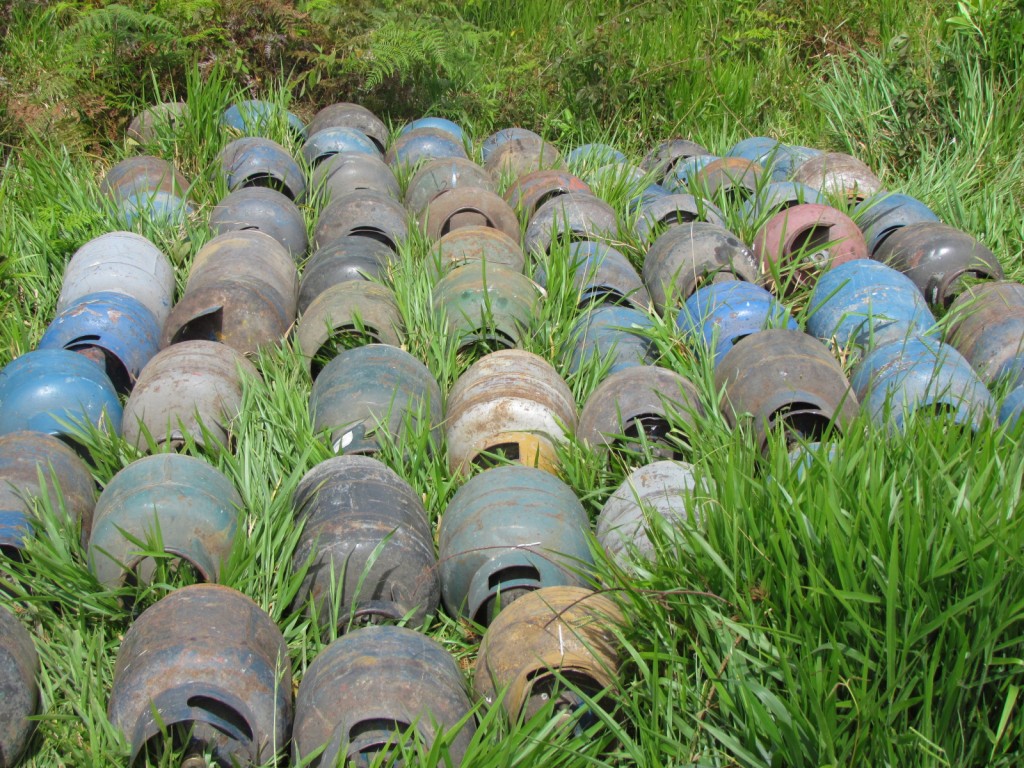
x,y
342,338
565,689
368,739
652,429
374,233
208,326
801,422
496,455
811,243
116,370
269,181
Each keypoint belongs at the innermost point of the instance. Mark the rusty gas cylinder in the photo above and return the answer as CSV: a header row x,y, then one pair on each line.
x,y
208,666
546,637
510,403
520,156
507,531
839,175
265,210
348,172
348,115
642,405
468,207
368,543
257,162
988,330
363,213
158,121
786,380
176,502
530,191
191,389
347,258
474,244
34,465
662,159
441,175
19,667
366,689
569,218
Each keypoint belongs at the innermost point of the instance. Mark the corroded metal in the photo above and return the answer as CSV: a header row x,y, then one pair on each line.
x,y
351,313
178,503
376,389
530,191
421,145
688,256
664,493
938,258
510,403
330,141
838,174
367,688
777,196
208,666
468,207
56,391
187,385
660,212
570,217
496,139
442,124
158,120
366,537
785,380
120,262
265,210
802,241
545,637
19,667
256,162
34,465
441,175
662,159
601,273
988,329
883,213
594,155
363,214
520,156
348,172
642,405
734,178
612,336
347,258
486,305
469,245
508,531
142,174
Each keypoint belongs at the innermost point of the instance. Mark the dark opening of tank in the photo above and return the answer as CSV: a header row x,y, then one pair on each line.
x,y
373,233
810,243
496,455
467,217
269,181
343,337
655,431
504,590
116,371
208,326
801,422
370,738
568,690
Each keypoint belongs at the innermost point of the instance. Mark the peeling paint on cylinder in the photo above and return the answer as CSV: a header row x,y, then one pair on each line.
x,y
468,207
522,155
469,245
421,145
493,142
486,305
614,335
265,210
603,274
207,661
662,159
347,258
328,142
664,212
366,688
838,174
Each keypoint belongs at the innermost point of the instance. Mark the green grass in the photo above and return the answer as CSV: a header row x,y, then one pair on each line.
x,y
867,609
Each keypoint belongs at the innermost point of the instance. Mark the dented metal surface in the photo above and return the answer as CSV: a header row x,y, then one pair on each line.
x,y
691,255
347,258
345,114
662,159
862,302
717,316
511,403
371,551
470,245
522,155
366,688
785,380
55,391
468,207
363,214
802,241
661,212
120,262
570,217
348,172
642,405
170,501
938,258
208,666
256,162
19,691
614,335
920,376
664,493
507,531
988,329
35,465
355,312
552,633
265,210
839,175
486,306
372,389
185,385
111,327
441,175
421,145
530,191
